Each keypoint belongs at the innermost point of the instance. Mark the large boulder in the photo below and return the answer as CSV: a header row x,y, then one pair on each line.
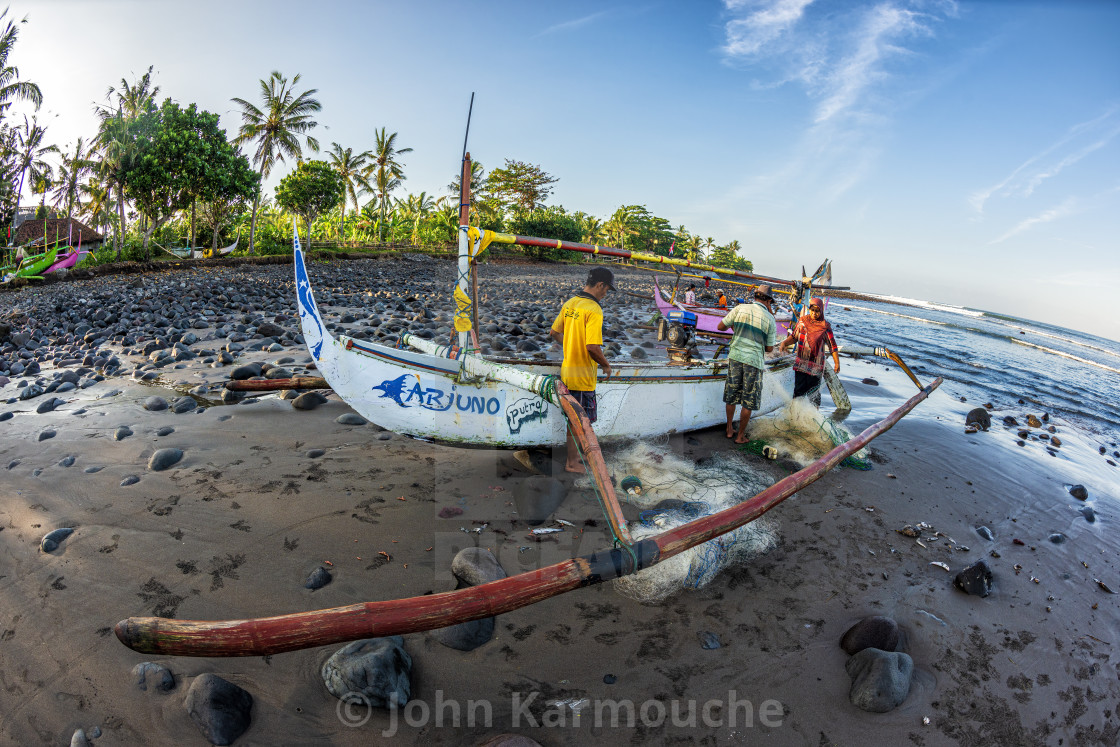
x,y
880,679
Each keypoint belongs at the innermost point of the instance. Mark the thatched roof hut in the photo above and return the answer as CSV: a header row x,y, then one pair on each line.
x,y
30,230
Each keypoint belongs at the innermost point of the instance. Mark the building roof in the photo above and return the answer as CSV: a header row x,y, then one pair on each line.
x,y
33,229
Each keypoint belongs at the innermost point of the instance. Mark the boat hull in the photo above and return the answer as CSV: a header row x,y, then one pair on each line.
x,y
424,395
707,318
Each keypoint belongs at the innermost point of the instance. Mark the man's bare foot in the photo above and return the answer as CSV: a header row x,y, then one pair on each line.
x,y
730,432
577,470
742,440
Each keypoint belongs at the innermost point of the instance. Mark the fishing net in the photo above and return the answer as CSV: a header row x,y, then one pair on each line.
x,y
800,432
676,490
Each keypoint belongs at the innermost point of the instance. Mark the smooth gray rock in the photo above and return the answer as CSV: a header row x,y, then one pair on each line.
x,y
308,401
47,434
1079,492
466,636
979,417
319,578
166,430
871,632
155,404
164,458
122,433
880,679
51,540
245,371
350,418
315,453
985,533
378,668
157,676
184,404
220,709
80,739
476,565
129,480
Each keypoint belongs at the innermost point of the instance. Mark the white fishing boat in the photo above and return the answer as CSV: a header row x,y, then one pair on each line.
x,y
442,393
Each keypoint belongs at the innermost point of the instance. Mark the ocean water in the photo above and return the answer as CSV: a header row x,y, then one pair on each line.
x,y
996,358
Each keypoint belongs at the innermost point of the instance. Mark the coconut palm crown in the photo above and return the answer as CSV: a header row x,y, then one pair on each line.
x,y
277,127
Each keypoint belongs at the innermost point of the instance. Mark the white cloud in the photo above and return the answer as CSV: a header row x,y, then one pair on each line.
x,y
1052,160
573,24
842,56
765,23
1068,207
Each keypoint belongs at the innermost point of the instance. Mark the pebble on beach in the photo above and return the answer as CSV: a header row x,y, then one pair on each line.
x,y
129,480
51,540
308,401
220,709
164,458
880,679
976,579
318,578
377,668
149,673
871,632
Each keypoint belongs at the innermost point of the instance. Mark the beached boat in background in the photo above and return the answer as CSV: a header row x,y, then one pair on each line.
x,y
68,261
31,267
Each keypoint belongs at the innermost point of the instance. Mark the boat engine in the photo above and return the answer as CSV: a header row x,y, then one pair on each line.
x,y
678,328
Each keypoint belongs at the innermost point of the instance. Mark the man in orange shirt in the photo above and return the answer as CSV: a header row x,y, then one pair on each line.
x,y
579,330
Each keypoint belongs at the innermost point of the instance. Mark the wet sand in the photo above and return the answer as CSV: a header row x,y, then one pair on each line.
x,y
234,529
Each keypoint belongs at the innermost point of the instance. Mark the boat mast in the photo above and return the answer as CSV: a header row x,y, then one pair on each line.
x,y
462,323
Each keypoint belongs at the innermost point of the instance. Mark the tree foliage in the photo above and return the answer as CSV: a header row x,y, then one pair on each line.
x,y
312,189
523,187
181,154
551,223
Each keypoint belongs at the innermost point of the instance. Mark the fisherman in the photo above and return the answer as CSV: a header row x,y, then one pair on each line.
x,y
754,334
579,330
811,334
690,294
722,302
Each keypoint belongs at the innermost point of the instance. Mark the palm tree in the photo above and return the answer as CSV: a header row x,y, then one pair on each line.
x,y
277,128
134,99
11,87
353,169
75,168
30,152
621,224
117,133
388,173
416,208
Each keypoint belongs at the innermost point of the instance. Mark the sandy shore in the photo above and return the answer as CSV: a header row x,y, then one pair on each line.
x,y
234,529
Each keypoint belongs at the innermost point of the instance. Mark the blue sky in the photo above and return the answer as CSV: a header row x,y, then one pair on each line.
x,y
960,152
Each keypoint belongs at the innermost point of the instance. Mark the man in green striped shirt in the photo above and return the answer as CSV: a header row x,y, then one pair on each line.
x,y
754,333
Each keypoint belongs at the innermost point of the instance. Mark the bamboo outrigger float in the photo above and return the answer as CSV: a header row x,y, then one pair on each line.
x,y
274,635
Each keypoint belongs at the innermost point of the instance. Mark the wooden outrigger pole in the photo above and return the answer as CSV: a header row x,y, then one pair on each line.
x,y
274,635
610,251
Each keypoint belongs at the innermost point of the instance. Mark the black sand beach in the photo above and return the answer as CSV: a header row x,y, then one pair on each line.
x,y
264,494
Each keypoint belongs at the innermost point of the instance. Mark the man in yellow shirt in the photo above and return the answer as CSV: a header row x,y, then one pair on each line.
x,y
579,330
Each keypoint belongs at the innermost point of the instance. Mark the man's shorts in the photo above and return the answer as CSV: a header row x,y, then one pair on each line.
x,y
743,385
588,402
